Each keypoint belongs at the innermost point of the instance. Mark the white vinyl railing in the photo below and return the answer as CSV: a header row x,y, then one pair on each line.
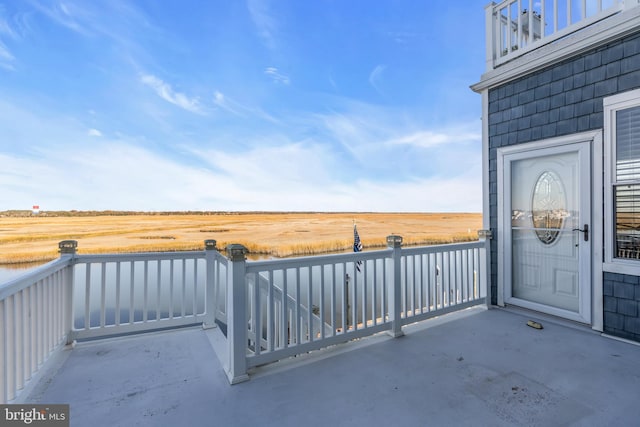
x,y
515,27
89,296
270,310
125,293
34,320
336,298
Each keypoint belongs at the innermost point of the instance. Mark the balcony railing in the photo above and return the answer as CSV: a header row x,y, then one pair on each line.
x,y
268,310
515,27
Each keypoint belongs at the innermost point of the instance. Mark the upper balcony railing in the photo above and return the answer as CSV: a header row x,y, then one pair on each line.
x,y
515,27
267,310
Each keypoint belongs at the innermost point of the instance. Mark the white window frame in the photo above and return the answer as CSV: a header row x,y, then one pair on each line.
x,y
612,105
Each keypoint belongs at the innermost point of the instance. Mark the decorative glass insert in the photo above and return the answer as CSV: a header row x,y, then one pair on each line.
x,y
548,206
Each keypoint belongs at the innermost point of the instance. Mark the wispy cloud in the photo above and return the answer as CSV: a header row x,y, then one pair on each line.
x,y
375,77
263,19
94,132
276,76
166,92
67,14
226,104
428,138
241,110
403,37
270,172
7,59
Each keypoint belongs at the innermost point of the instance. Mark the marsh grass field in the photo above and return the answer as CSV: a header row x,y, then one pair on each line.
x,y
26,238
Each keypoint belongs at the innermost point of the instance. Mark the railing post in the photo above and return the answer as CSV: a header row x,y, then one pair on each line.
x,y
237,314
67,249
490,36
395,296
485,237
211,291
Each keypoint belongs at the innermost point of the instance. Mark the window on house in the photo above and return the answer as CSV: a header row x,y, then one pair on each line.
x,y
622,179
626,192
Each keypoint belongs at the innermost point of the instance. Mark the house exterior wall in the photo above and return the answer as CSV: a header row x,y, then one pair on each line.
x,y
564,99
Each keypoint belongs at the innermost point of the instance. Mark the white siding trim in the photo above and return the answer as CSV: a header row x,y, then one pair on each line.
x,y
611,105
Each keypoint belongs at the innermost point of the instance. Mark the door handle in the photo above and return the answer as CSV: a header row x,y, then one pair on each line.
x,y
585,231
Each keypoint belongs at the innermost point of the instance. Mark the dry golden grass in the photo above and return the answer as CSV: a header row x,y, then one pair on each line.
x,y
35,239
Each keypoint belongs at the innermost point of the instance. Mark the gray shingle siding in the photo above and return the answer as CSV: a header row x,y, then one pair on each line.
x,y
563,99
621,305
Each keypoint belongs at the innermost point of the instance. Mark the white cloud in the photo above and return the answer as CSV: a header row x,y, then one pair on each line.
x,y
223,102
428,138
6,57
94,132
388,170
68,15
276,76
5,54
375,77
264,21
166,92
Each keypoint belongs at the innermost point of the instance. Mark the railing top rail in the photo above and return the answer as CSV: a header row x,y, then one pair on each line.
x,y
139,256
447,247
317,260
21,282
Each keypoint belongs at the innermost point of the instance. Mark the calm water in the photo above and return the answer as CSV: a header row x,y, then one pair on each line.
x,y
7,274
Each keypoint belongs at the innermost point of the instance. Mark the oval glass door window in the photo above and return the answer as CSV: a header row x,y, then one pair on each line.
x,y
548,207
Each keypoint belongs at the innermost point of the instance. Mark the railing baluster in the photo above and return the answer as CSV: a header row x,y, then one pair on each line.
x,y
87,298
10,346
456,278
285,311
270,313
33,357
195,288
374,294
117,313
171,281
297,307
19,350
49,315
41,323
310,304
145,294
365,285
354,300
184,281
28,332
384,303
158,290
333,301
256,325
322,304
103,293
131,291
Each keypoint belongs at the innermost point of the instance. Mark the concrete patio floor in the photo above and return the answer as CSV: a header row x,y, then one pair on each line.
x,y
476,368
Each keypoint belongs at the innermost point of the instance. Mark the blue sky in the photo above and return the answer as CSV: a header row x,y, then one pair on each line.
x,y
326,105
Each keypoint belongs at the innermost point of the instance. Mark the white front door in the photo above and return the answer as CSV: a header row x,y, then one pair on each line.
x,y
545,224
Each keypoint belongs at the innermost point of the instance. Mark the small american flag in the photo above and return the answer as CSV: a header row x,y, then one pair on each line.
x,y
357,245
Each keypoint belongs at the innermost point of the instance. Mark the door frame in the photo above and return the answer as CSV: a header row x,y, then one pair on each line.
x,y
589,148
